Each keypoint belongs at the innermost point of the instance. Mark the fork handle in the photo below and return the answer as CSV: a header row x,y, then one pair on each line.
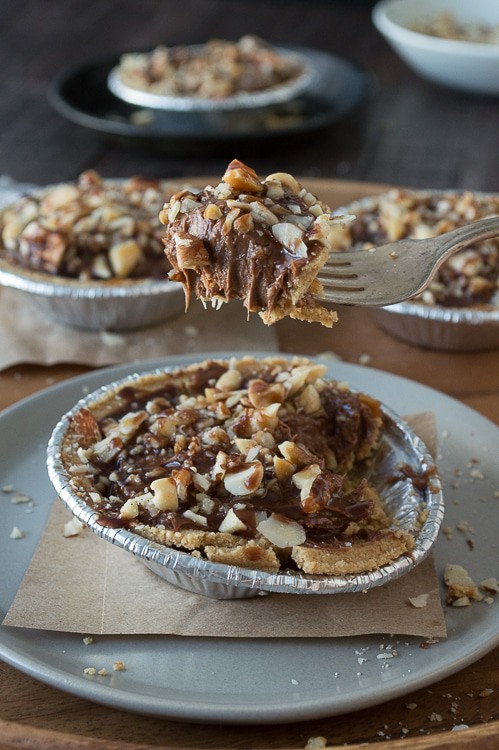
x,y
449,243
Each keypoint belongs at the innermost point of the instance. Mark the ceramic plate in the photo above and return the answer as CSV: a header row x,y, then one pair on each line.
x,y
256,681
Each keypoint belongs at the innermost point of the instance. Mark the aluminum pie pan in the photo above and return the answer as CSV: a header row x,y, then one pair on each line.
x,y
114,305
97,306
443,328
277,94
435,327
403,499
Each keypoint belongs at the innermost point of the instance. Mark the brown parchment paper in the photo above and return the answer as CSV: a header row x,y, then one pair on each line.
x,y
26,336
82,584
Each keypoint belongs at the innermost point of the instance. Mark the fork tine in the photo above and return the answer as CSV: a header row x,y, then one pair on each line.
x,y
330,273
342,296
397,271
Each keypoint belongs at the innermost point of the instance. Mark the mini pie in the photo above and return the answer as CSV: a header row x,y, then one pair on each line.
x,y
244,462
469,277
215,70
262,242
93,229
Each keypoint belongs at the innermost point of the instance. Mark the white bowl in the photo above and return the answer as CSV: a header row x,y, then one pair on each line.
x,y
468,66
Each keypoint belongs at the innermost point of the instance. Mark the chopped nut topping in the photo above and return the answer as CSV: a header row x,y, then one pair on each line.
x,y
281,531
241,178
165,493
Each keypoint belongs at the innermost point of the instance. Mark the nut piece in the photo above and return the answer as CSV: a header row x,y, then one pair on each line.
x,y
244,224
285,179
73,527
291,237
283,469
263,215
490,585
294,454
304,480
262,394
419,601
124,257
245,480
459,583
229,381
242,178
191,252
231,523
165,493
129,510
212,212
281,531
309,399
59,196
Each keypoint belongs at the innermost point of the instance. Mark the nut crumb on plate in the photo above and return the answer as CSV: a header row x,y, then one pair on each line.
x,y
461,587
419,601
73,527
19,498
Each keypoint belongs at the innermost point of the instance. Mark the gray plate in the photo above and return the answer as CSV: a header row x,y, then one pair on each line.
x,y
254,681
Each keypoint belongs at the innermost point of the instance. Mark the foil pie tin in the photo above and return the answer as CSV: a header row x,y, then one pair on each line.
x,y
278,94
444,328
103,306
115,305
403,499
435,327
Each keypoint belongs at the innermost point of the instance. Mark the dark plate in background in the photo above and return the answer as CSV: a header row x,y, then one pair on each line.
x,y
82,95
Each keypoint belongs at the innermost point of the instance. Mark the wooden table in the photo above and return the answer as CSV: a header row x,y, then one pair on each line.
x,y
409,132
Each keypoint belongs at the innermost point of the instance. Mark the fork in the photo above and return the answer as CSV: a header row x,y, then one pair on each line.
x,y
395,272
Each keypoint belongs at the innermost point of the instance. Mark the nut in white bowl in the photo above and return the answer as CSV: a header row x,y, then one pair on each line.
x,y
461,64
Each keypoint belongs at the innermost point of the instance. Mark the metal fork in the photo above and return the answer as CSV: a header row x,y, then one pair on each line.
x,y
391,273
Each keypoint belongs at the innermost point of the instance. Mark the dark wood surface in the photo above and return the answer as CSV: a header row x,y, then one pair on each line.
x,y
409,132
